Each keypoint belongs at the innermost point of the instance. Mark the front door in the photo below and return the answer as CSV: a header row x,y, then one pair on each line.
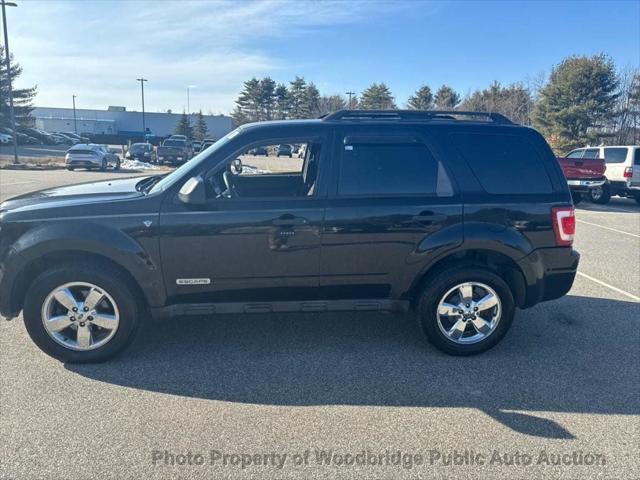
x,y
257,238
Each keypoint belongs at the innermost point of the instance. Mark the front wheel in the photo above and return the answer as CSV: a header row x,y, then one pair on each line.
x,y
465,311
82,313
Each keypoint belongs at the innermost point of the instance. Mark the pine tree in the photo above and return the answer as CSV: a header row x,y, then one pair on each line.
x,y
377,97
421,100
249,102
446,98
282,102
298,98
22,97
578,100
200,129
183,127
267,99
312,97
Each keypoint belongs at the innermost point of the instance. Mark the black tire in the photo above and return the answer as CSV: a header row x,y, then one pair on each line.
x,y
600,195
117,165
103,167
439,285
637,197
70,169
113,281
577,197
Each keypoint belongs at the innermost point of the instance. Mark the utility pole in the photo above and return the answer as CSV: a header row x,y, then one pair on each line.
x,y
144,127
188,102
9,79
350,95
75,125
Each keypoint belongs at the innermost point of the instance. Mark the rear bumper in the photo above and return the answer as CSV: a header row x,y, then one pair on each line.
x,y
583,185
549,273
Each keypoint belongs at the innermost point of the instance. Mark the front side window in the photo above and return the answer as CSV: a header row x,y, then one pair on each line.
x,y
615,155
400,167
283,169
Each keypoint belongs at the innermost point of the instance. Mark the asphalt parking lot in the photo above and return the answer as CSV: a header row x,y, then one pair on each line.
x,y
564,381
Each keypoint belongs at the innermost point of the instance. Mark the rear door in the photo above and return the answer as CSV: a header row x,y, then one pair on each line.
x,y
635,177
392,207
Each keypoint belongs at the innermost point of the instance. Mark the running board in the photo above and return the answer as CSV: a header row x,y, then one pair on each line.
x,y
386,305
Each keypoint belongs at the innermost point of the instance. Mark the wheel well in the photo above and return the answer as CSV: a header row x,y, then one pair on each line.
x,y
500,264
41,264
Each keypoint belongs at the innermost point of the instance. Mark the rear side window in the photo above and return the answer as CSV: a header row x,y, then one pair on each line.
x,y
504,164
615,155
576,154
396,168
636,157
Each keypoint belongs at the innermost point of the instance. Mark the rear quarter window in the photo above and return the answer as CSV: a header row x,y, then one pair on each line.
x,y
615,155
504,163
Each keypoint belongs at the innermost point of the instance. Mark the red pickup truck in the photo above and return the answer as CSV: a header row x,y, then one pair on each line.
x,y
582,175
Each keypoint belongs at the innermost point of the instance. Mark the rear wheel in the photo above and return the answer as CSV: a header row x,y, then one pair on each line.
x,y
600,195
117,165
465,311
82,314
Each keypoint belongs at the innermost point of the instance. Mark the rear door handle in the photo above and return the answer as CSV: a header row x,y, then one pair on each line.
x,y
289,221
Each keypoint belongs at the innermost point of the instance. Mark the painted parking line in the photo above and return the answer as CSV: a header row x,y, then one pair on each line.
x,y
609,228
605,284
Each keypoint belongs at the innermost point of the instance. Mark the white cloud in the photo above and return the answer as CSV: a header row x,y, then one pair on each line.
x,y
96,49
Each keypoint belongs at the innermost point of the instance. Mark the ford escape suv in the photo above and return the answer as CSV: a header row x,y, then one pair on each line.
x,y
459,217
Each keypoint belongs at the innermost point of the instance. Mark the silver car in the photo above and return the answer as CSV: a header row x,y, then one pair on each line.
x,y
91,155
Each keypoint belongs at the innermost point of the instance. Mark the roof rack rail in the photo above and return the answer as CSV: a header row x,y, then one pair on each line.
x,y
412,115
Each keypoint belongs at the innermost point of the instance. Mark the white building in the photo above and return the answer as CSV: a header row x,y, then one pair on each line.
x,y
118,121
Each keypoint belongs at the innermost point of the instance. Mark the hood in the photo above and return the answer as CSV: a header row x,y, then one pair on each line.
x,y
70,195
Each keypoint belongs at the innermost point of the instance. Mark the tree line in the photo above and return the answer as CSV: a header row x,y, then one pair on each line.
x,y
585,100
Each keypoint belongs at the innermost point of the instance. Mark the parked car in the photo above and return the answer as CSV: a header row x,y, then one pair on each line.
x,y
619,161
582,174
173,151
21,137
392,210
141,151
259,151
67,139
91,156
80,138
42,136
206,143
178,137
5,138
196,145
284,151
63,139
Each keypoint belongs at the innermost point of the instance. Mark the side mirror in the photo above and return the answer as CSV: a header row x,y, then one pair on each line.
x,y
236,166
193,192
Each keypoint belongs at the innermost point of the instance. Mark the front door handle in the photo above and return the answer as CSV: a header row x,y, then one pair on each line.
x,y
289,220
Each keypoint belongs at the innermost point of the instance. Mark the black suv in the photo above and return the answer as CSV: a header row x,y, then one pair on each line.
x,y
459,216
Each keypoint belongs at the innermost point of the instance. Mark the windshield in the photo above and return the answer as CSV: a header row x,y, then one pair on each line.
x,y
194,162
174,143
138,147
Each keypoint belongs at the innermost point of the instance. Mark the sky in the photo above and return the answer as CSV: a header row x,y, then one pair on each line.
x,y
97,49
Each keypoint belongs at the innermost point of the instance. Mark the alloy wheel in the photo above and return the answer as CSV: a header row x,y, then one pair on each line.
x,y
469,312
80,316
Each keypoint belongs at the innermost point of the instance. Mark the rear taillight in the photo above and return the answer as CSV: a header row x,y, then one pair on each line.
x,y
628,172
563,220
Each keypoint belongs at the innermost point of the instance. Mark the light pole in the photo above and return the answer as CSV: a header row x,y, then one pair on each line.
x,y
350,95
144,127
9,80
75,125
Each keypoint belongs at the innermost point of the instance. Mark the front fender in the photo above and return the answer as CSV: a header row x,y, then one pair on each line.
x,y
84,237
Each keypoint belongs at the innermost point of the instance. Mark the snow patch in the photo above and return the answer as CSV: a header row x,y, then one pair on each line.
x,y
137,165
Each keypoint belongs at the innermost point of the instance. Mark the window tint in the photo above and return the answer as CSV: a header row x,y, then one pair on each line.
x,y
592,153
576,154
615,155
391,169
504,164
